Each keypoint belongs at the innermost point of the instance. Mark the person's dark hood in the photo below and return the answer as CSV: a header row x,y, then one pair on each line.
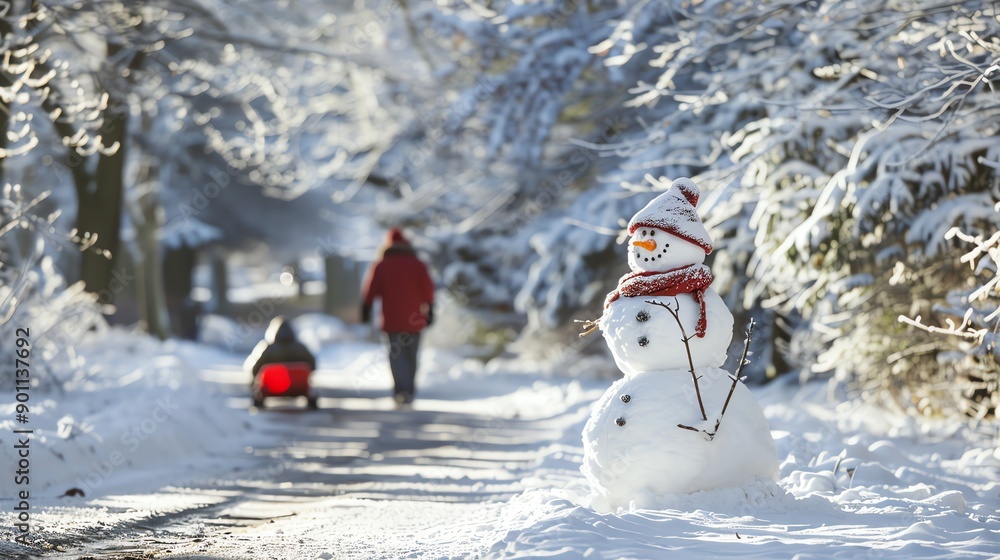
x,y
280,330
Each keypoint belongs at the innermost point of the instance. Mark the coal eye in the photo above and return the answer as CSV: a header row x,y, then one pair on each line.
x,y
644,232
652,232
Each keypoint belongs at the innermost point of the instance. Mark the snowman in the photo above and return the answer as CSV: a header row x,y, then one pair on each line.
x,y
659,431
669,244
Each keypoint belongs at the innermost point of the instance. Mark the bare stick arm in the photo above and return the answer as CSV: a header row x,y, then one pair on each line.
x,y
687,346
739,369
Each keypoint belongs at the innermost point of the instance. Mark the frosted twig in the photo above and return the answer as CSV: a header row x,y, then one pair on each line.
x,y
589,326
685,338
984,254
736,379
15,219
963,330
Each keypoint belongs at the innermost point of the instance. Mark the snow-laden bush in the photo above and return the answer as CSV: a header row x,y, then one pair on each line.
x,y
968,349
34,296
834,143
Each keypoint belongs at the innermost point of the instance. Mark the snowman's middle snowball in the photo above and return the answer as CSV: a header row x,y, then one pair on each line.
x,y
644,337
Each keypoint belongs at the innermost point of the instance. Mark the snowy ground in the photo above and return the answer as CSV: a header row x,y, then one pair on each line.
x,y
485,465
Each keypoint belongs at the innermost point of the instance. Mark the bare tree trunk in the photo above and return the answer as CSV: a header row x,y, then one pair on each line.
x,y
5,79
343,287
220,284
154,304
333,271
100,204
145,212
178,273
100,208
5,82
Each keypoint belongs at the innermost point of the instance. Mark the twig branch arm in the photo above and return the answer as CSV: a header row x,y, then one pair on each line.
x,y
739,369
685,338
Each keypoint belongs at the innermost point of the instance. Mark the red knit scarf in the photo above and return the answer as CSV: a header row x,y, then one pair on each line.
x,y
693,279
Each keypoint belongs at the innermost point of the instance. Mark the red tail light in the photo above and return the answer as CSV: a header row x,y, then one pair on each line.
x,y
275,379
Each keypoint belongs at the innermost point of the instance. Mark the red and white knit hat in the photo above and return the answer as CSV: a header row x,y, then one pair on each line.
x,y
674,212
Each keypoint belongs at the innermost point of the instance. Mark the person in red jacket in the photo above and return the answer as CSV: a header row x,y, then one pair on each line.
x,y
401,281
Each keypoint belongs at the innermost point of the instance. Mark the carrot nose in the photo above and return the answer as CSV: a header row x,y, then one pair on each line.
x,y
647,244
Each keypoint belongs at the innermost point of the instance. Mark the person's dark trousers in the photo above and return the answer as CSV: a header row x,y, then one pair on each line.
x,y
403,363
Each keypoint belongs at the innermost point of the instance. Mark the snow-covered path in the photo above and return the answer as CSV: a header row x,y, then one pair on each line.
x,y
325,482
355,473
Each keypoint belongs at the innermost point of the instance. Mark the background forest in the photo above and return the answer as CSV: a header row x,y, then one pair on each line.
x,y
152,153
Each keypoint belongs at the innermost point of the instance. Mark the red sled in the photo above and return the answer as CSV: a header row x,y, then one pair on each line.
x,y
283,380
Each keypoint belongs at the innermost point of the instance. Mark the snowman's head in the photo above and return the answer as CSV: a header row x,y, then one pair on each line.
x,y
652,249
667,233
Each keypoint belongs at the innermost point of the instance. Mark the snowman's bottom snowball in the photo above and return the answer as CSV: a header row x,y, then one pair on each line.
x,y
634,451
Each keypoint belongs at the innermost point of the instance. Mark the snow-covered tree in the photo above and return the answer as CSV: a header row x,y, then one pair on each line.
x,y
169,120
841,141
